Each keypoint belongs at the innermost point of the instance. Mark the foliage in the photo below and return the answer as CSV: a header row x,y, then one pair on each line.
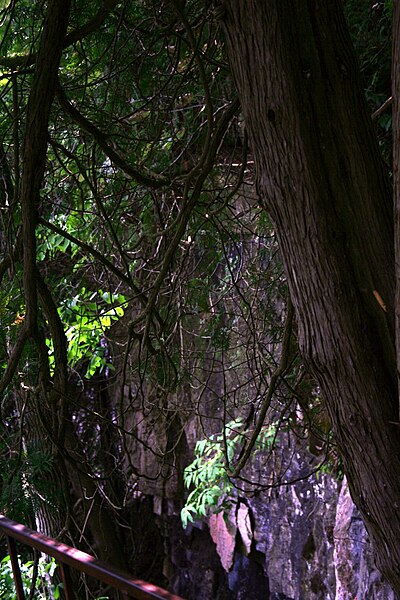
x,y
208,474
370,25
87,317
25,482
43,586
147,224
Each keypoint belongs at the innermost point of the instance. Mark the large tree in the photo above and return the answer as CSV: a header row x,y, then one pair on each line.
x,y
321,178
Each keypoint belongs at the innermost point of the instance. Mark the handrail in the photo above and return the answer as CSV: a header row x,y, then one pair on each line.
x,y
67,556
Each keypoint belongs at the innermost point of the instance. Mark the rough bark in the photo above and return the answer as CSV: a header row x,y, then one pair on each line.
x,y
34,158
322,180
35,144
396,170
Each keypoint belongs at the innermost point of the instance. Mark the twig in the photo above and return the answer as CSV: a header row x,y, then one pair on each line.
x,y
382,108
277,374
144,177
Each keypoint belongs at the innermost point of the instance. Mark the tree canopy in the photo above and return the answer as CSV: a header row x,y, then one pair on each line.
x,y
196,207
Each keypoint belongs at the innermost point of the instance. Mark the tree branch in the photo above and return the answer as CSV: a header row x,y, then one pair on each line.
x,y
15,63
93,24
276,376
187,209
60,388
143,177
382,108
125,278
13,360
35,146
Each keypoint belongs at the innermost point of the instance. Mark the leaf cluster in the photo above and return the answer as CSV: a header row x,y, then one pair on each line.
x,y
42,585
87,317
24,479
208,474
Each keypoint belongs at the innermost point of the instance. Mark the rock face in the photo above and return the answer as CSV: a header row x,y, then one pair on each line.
x,y
299,541
303,542
355,571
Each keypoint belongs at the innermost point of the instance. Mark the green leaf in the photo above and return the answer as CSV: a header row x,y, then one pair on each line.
x,y
200,446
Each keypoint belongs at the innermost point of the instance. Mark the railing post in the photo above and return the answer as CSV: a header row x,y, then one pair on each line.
x,y
67,581
12,548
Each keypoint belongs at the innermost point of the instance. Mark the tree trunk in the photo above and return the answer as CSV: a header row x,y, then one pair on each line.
x,y
321,178
34,160
396,171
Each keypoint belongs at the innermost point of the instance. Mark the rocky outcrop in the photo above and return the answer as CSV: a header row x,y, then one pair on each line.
x,y
301,542
355,571
304,542
294,534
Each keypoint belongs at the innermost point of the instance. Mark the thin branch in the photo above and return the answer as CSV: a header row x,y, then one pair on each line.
x,y
35,146
143,177
187,210
93,24
275,378
125,278
12,363
15,95
60,344
14,63
207,94
13,256
109,227
382,108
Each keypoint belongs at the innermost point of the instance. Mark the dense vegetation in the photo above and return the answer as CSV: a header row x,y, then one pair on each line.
x,y
141,277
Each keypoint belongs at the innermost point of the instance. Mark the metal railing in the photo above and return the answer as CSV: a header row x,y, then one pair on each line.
x,y
67,557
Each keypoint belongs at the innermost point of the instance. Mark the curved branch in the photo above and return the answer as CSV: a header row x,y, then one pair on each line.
x,y
93,252
207,94
125,278
15,63
13,256
187,210
143,177
276,376
93,24
109,226
57,333
60,344
35,146
16,353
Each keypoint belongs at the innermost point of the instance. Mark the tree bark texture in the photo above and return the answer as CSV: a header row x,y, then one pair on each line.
x,y
35,142
34,159
396,172
321,179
